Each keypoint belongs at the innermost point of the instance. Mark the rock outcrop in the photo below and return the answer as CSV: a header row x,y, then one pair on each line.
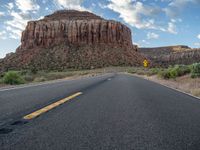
x,y
171,55
73,39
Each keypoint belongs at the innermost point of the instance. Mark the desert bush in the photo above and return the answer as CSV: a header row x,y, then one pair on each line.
x,y
153,71
40,79
195,70
28,78
13,78
1,81
164,74
131,70
175,71
33,70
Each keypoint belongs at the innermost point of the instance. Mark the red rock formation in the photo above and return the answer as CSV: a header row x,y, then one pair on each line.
x,y
71,36
171,55
71,29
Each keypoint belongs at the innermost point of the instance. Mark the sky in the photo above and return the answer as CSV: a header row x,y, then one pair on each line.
x,y
153,22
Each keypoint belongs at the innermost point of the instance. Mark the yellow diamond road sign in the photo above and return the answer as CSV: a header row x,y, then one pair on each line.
x,y
145,63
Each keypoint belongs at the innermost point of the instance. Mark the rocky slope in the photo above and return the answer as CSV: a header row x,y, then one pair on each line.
x,y
171,55
73,39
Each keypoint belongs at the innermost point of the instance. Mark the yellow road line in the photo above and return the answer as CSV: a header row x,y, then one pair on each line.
x,y
49,107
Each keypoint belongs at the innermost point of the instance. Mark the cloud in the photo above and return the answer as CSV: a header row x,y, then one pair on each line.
x,y
2,14
151,35
142,43
20,16
197,44
10,6
70,4
133,13
198,36
19,20
17,24
3,35
26,10
27,5
176,6
141,16
172,28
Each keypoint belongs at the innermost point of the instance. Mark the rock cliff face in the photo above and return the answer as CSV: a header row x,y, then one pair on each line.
x,y
70,36
74,28
171,55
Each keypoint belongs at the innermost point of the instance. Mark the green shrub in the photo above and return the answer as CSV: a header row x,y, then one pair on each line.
x,y
153,71
176,71
195,70
13,78
34,70
164,74
131,70
1,81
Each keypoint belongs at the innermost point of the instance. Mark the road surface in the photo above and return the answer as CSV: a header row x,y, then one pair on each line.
x,y
113,112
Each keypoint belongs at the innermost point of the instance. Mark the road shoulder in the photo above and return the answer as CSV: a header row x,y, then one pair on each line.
x,y
163,84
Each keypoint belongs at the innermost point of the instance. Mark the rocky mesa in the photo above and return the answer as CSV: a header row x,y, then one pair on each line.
x,y
171,55
73,39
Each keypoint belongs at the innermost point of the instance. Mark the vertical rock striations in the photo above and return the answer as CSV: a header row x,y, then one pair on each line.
x,y
73,39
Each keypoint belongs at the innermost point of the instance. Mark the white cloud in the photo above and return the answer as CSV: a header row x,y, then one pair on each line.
x,y
182,3
197,44
133,12
27,5
20,17
172,28
176,6
176,20
17,24
2,14
14,31
3,35
144,42
136,43
151,35
138,15
18,21
70,4
198,36
10,6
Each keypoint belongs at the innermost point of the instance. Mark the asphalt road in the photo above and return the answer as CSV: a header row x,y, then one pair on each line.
x,y
114,112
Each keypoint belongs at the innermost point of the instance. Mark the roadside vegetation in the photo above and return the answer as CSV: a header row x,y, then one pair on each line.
x,y
27,76
183,77
34,76
172,72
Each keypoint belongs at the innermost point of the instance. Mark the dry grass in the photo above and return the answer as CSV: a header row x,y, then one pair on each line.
x,y
196,92
42,76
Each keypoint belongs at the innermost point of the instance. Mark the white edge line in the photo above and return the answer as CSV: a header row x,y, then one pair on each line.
x,y
165,86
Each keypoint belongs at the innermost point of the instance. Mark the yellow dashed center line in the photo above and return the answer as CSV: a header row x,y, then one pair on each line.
x,y
49,107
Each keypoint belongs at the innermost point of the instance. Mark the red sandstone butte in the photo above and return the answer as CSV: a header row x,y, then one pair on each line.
x,y
73,39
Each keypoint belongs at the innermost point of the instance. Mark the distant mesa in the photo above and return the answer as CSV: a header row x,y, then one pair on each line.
x,y
171,55
73,39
